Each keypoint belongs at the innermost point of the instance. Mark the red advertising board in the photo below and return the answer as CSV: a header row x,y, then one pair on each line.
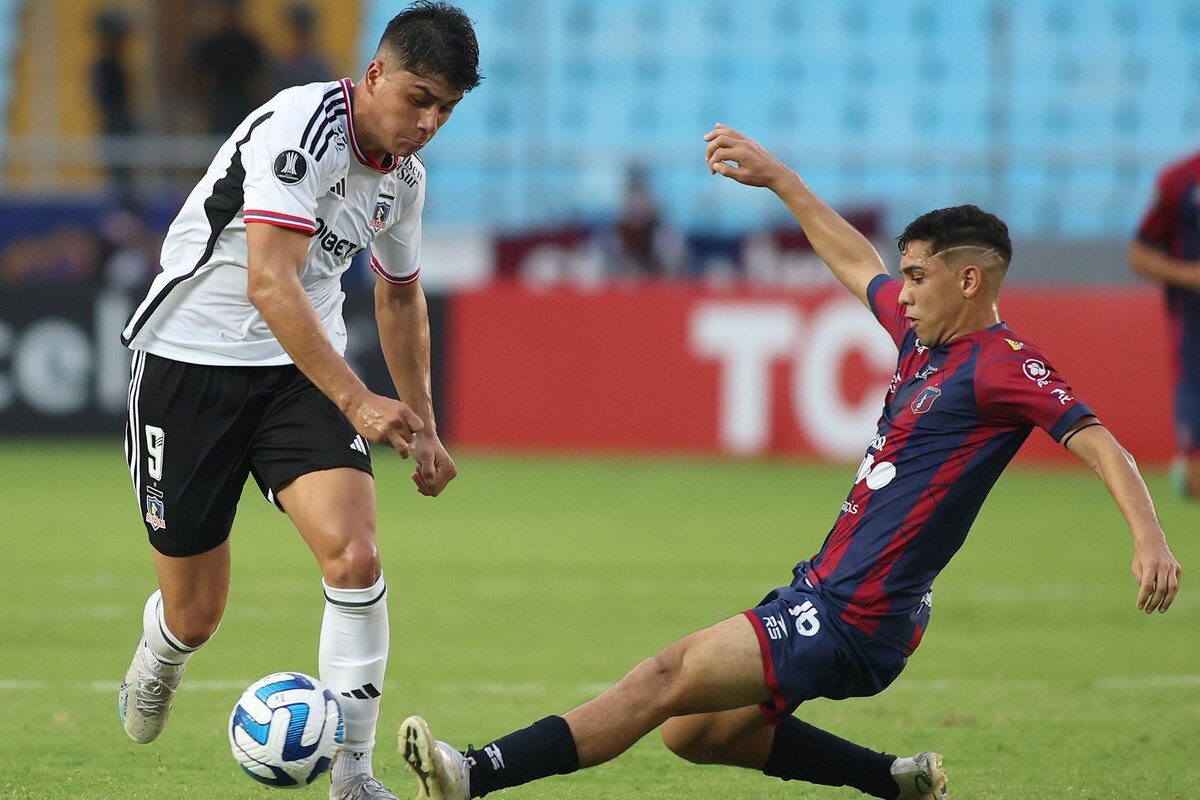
x,y
759,372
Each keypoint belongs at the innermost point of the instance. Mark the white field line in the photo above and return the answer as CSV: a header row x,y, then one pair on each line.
x,y
1150,682
527,688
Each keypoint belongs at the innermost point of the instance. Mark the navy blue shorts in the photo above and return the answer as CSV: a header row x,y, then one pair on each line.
x,y
809,652
1187,416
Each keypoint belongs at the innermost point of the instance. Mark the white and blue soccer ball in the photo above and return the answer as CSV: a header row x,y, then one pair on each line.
x,y
285,729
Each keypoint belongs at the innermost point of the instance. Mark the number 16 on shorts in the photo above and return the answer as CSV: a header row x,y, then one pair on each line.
x,y
804,615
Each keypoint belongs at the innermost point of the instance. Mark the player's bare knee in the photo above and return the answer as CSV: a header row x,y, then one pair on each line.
x,y
659,681
354,566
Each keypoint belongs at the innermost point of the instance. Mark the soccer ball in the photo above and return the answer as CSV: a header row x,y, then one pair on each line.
x,y
285,729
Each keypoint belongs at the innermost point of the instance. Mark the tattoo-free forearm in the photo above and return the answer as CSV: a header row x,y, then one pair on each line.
x,y
850,255
402,316
1159,267
1117,469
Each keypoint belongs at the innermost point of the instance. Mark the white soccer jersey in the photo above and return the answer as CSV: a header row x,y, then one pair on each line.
x,y
294,162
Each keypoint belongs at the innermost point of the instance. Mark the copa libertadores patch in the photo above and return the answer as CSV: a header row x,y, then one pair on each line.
x,y
290,167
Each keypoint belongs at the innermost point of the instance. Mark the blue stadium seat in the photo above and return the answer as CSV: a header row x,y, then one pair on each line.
x,y
913,102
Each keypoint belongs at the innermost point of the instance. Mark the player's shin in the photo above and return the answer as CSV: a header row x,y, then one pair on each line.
x,y
801,752
545,748
352,661
163,644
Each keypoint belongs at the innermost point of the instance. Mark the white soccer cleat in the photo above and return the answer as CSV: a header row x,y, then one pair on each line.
x,y
144,701
360,787
921,777
443,771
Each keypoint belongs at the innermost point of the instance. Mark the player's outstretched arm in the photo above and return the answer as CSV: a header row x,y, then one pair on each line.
x,y
276,256
1160,267
851,257
402,316
1154,565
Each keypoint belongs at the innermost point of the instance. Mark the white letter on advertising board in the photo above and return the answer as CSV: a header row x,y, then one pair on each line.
x,y
745,338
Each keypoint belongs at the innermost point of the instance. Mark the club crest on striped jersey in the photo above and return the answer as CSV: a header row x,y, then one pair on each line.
x,y
925,399
382,212
290,167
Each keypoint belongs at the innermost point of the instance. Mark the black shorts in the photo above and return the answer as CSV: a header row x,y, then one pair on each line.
x,y
195,433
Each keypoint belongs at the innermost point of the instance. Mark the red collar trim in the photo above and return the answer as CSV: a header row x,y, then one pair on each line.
x,y
389,159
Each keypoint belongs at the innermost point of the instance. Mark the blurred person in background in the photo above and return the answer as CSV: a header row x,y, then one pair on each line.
x,y
128,248
239,367
301,62
965,396
1167,250
228,66
111,89
641,243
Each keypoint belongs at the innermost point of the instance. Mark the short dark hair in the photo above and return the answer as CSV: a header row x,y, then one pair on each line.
x,y
957,226
435,40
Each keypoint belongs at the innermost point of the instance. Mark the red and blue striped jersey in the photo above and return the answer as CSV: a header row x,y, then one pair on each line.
x,y
1172,225
953,418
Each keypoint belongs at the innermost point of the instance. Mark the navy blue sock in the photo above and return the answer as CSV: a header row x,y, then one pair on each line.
x,y
801,752
544,748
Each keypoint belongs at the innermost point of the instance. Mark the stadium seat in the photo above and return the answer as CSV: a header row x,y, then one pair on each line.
x,y
913,102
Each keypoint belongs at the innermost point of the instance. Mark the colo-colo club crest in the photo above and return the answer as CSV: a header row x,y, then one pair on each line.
x,y
383,210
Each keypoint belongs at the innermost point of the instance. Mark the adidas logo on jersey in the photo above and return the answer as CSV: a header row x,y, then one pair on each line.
x,y
359,444
339,189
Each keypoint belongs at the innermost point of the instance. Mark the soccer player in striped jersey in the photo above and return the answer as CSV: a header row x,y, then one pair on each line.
x,y
966,393
1167,250
238,364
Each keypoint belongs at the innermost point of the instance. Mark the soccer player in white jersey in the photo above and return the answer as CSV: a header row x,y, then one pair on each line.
x,y
238,364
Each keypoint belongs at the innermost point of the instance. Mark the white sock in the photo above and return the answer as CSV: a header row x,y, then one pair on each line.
x,y
350,763
161,642
352,659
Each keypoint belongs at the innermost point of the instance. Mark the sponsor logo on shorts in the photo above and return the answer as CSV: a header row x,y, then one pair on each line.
x,y
359,444
805,615
776,627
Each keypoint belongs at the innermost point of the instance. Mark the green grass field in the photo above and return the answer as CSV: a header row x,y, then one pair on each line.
x,y
535,582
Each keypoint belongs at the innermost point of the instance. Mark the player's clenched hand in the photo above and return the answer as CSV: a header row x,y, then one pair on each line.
x,y
385,421
755,165
1157,573
435,467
